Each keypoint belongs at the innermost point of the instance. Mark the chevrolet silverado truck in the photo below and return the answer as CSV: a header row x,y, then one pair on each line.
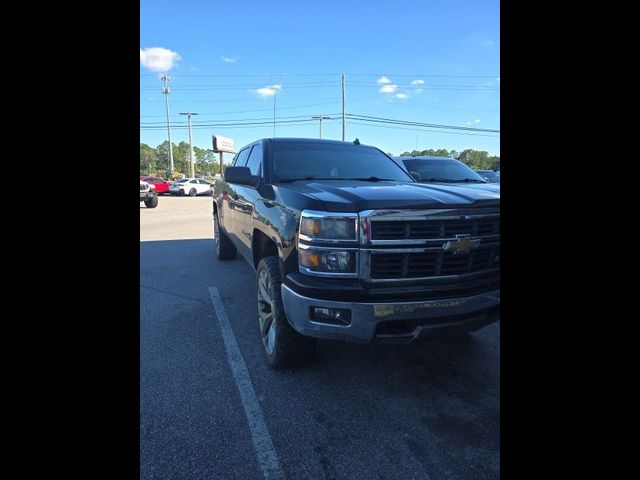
x,y
346,245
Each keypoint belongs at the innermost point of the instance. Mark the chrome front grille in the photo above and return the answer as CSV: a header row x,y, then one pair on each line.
x,y
432,229
410,245
433,263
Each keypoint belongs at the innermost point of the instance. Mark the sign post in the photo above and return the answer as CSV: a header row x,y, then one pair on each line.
x,y
220,145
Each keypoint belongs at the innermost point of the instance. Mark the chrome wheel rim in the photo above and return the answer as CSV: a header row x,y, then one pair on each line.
x,y
265,312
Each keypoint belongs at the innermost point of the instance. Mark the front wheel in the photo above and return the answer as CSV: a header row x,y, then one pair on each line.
x,y
193,192
281,344
151,202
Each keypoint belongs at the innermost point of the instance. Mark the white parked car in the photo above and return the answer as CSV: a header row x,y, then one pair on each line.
x,y
191,187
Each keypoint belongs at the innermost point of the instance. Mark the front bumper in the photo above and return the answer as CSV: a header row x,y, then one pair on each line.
x,y
393,322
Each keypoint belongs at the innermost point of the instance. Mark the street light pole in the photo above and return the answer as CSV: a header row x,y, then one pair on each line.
x,y
166,92
320,117
188,114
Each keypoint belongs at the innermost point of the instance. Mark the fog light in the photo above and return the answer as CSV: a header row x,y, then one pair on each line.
x,y
334,316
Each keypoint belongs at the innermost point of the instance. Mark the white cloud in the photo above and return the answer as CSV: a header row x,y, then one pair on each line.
x,y
383,80
419,90
417,82
388,88
268,91
228,59
158,59
402,96
477,120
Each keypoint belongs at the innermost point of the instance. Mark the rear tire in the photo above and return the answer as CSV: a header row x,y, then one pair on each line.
x,y
282,346
225,250
151,202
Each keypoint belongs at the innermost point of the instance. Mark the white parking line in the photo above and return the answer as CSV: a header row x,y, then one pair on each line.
x,y
265,453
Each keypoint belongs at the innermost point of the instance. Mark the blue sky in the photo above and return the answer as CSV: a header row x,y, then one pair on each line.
x,y
435,62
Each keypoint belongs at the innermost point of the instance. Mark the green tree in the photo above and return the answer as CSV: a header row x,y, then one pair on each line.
x,y
148,159
476,159
163,155
206,162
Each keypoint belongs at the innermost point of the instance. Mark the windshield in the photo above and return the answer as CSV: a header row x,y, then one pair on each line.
x,y
445,169
329,161
490,175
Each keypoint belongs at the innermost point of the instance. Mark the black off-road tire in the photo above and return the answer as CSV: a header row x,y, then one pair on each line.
x,y
151,202
225,250
290,348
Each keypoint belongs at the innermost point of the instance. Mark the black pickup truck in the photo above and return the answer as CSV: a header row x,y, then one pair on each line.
x,y
347,245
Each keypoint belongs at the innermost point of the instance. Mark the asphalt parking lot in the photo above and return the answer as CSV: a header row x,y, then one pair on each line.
x,y
429,410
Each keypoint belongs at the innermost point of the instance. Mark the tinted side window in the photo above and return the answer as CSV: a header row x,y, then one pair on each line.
x,y
241,159
255,160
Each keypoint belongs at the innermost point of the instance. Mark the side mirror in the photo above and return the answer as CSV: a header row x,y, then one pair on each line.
x,y
241,176
416,175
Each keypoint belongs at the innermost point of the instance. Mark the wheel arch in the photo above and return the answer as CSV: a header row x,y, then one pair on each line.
x,y
263,246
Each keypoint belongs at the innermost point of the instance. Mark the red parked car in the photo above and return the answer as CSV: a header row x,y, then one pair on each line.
x,y
160,186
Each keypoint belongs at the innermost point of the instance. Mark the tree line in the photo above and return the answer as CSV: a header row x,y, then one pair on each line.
x,y
476,159
154,161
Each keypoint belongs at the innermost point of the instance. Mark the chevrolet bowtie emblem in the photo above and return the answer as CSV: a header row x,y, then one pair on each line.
x,y
462,244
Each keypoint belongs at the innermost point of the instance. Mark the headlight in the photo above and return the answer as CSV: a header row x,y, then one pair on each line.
x,y
329,226
328,261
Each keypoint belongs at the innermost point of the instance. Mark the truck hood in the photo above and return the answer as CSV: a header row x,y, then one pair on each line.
x,y
349,195
489,187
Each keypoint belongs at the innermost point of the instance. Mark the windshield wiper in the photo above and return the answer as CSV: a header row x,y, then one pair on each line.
x,y
448,180
363,179
289,180
443,180
370,179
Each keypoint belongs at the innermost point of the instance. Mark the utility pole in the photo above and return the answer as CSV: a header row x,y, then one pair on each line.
x,y
275,92
320,117
344,120
166,92
188,114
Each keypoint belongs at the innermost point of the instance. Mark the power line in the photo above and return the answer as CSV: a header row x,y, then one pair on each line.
x,y
243,119
386,74
372,85
258,110
424,130
368,118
